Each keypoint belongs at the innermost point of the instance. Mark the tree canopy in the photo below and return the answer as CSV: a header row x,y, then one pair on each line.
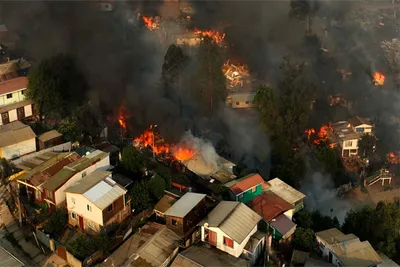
x,y
157,186
56,86
210,86
70,129
141,196
132,161
56,222
303,239
366,146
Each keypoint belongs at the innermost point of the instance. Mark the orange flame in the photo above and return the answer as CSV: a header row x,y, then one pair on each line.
x,y
151,23
122,116
151,139
378,78
393,158
322,135
216,36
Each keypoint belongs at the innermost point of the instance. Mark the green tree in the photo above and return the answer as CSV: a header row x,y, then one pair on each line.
x,y
141,199
70,129
82,247
132,160
57,221
6,170
303,219
303,239
56,86
210,86
366,146
174,62
157,186
103,242
87,120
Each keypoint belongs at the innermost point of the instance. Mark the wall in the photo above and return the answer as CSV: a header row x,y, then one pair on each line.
x,y
237,249
367,128
118,206
59,193
354,144
289,213
28,110
249,195
12,114
16,150
325,252
17,96
72,261
80,208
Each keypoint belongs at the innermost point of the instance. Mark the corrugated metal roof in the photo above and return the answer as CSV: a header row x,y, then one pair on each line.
x,y
245,183
104,194
9,260
68,171
49,135
14,133
233,218
165,203
185,204
269,205
284,225
285,191
12,85
88,182
207,257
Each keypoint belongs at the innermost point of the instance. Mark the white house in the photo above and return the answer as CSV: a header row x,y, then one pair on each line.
x,y
240,100
16,139
96,201
230,226
346,250
347,134
13,105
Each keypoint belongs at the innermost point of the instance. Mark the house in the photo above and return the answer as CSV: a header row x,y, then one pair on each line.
x,y
288,193
276,212
189,39
152,245
240,100
49,139
347,133
246,188
346,250
183,216
230,226
16,140
165,203
13,105
48,181
97,201
201,256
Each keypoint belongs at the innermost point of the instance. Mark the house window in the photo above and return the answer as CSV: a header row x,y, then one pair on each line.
x,y
38,195
254,189
174,222
9,96
110,208
228,242
89,208
348,143
91,225
84,174
49,194
73,200
73,215
360,130
22,92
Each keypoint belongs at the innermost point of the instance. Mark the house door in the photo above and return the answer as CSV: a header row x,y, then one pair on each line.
x,y
80,222
346,153
62,252
330,257
211,237
5,118
20,113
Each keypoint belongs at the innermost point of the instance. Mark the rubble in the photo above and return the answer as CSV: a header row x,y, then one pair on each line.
x,y
237,76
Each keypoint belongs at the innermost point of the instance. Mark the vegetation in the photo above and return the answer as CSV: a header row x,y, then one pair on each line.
x,y
315,221
70,129
157,186
132,161
141,198
57,221
303,239
366,146
6,170
57,86
210,86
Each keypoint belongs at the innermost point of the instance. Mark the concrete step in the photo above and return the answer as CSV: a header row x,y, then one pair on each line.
x,y
18,235
39,259
12,228
29,248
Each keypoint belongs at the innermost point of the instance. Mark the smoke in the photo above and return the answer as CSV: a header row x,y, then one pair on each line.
x,y
322,196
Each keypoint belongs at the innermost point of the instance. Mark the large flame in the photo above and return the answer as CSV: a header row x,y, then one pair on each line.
x,y
122,116
322,135
378,78
235,74
216,36
150,138
151,23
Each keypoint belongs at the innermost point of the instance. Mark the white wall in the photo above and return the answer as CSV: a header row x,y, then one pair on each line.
x,y
367,128
325,253
354,144
289,213
19,149
237,249
28,110
17,96
12,114
80,208
60,195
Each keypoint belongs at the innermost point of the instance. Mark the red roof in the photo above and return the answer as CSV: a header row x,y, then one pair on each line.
x,y
269,205
13,85
243,184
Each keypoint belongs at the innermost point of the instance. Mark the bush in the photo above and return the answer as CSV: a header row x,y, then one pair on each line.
x,y
56,223
157,186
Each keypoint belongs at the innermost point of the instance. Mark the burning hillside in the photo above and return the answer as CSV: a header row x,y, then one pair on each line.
x,y
151,23
393,158
216,36
320,136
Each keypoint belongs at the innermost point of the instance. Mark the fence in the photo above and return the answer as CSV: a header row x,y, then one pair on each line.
x,y
59,148
45,240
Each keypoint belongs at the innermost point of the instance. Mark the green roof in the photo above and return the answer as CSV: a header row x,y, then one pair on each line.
x,y
71,169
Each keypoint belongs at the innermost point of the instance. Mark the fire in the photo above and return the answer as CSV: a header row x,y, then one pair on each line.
x,y
216,36
235,74
322,135
122,116
378,78
393,158
150,138
151,23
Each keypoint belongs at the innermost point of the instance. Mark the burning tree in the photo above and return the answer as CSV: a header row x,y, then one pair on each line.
x,y
151,23
321,136
216,36
210,83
